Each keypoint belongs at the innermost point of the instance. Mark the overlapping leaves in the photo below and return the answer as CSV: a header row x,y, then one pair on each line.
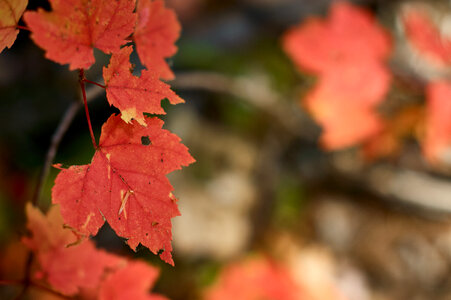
x,y
126,183
83,270
343,50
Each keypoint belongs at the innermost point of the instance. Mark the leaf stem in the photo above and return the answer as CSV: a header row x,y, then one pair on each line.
x,y
93,82
23,27
26,282
85,102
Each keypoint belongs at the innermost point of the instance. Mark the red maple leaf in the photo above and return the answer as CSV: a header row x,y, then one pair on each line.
x,y
130,282
350,34
135,95
66,269
10,13
346,51
69,33
155,34
126,185
425,37
437,143
253,280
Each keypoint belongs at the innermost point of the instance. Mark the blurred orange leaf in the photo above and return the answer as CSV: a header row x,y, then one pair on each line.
x,y
437,143
346,51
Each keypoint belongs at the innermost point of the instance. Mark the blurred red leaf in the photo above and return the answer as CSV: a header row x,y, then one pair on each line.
x,y
254,280
131,282
349,35
155,35
346,51
437,143
425,36
66,269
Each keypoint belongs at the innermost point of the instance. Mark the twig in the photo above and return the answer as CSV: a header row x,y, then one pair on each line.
x,y
56,139
95,83
61,130
85,102
255,90
26,281
35,285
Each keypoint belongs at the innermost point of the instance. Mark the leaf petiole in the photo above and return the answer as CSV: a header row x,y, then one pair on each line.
x,y
93,82
85,102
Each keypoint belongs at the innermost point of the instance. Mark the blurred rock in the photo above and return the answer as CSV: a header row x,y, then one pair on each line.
x,y
215,209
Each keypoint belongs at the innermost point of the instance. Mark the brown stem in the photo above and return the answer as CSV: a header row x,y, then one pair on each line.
x,y
93,82
54,144
26,281
85,102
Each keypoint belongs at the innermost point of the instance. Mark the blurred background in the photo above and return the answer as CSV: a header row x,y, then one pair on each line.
x,y
262,189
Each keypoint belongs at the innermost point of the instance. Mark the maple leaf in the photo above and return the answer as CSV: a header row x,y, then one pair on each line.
x,y
437,143
69,33
350,34
67,269
155,34
135,95
425,36
130,282
10,13
255,279
126,184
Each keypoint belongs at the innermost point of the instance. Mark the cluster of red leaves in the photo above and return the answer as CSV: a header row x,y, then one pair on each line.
x,y
83,269
126,183
253,280
347,51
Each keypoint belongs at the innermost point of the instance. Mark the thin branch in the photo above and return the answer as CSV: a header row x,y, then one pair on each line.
x,y
255,90
85,102
49,290
61,130
54,144
26,281
34,285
